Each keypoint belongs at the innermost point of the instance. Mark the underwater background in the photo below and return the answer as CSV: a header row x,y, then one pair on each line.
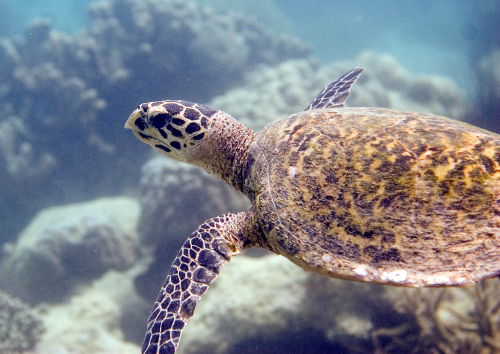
x,y
91,219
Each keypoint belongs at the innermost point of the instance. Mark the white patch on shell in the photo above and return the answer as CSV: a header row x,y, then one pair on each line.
x,y
327,258
292,170
462,280
438,279
361,271
397,276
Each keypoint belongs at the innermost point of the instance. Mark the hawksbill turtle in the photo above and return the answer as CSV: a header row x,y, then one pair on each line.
x,y
366,194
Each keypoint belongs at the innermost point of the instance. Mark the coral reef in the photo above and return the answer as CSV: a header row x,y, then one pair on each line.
x,y
268,12
272,92
89,322
267,297
459,320
249,301
256,302
65,246
175,199
21,162
20,327
64,97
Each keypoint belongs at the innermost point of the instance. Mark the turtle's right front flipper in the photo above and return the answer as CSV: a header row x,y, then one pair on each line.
x,y
195,267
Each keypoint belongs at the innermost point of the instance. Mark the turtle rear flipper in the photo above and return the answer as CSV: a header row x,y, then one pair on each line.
x,y
195,267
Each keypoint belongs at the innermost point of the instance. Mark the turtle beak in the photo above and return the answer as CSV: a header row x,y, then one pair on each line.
x,y
136,123
130,123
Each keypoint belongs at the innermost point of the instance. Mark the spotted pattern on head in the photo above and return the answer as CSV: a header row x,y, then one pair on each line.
x,y
196,266
170,126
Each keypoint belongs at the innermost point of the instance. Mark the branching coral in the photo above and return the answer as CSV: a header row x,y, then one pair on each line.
x,y
449,321
436,335
484,319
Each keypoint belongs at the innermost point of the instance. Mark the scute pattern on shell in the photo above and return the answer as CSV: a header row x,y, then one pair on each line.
x,y
380,195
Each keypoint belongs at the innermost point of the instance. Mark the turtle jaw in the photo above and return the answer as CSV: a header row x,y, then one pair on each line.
x,y
130,123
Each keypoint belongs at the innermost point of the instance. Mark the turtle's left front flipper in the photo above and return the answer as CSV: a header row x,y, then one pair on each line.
x,y
195,267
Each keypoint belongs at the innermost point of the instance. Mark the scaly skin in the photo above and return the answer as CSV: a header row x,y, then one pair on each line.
x,y
196,266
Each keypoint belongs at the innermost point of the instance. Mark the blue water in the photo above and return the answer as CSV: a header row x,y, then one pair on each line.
x,y
67,16
425,36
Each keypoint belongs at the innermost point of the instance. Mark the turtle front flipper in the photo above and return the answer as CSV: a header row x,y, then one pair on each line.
x,y
195,267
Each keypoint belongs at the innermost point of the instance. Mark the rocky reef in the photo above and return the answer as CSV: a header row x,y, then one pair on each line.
x,y
175,199
68,246
272,92
64,97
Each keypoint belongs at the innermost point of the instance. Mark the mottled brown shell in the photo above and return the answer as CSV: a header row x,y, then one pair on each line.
x,y
379,195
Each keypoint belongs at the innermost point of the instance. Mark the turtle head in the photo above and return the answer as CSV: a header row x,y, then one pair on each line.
x,y
197,135
173,128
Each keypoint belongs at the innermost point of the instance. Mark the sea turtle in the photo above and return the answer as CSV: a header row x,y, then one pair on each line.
x,y
366,194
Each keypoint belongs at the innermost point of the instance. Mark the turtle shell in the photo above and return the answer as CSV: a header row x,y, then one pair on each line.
x,y
379,195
